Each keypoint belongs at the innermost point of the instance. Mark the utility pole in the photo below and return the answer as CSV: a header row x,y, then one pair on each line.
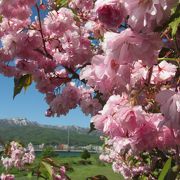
x,y
68,140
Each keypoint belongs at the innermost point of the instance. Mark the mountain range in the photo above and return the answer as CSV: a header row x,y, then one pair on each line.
x,y
26,131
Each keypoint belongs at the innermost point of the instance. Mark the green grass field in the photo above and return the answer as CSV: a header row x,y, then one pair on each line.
x,y
80,171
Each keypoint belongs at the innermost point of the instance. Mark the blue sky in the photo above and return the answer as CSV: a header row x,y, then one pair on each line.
x,y
31,105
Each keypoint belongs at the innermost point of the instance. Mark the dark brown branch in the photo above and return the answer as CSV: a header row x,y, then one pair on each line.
x,y
149,76
41,31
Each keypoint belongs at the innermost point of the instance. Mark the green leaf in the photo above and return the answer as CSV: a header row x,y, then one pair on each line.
x,y
174,26
28,81
48,168
22,82
165,169
61,3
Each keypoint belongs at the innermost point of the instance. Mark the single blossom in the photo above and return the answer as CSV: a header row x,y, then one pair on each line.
x,y
170,107
110,12
163,71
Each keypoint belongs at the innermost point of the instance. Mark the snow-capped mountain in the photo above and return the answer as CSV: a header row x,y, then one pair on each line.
x,y
25,122
28,131
18,121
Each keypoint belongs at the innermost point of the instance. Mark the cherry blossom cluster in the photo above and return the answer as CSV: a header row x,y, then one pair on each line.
x,y
131,131
69,98
130,127
7,177
116,59
18,156
120,164
60,175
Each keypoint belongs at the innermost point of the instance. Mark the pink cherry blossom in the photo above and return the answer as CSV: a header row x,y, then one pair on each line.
x,y
59,175
82,5
139,73
69,99
110,12
163,71
7,177
103,56
21,9
75,49
90,106
122,120
122,168
117,45
147,15
18,156
56,23
170,107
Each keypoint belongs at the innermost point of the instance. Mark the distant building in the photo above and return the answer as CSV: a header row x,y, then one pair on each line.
x,y
64,147
41,146
61,147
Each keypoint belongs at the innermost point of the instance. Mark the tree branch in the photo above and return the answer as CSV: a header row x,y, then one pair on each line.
x,y
41,31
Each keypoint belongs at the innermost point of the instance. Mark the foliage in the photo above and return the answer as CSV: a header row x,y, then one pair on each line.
x,y
48,152
22,82
175,21
174,26
85,154
165,169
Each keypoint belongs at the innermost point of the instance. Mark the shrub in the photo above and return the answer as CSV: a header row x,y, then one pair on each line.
x,y
85,154
48,152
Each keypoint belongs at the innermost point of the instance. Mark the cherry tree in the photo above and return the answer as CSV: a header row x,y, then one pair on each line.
x,y
118,60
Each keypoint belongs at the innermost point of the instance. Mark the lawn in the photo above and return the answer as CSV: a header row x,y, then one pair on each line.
x,y
80,171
